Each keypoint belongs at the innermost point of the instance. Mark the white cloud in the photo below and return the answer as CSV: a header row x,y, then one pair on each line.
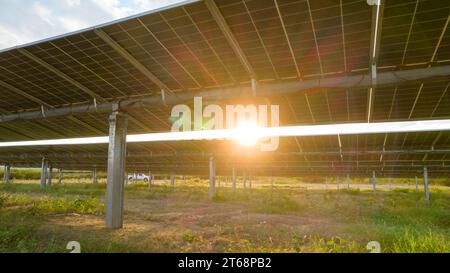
x,y
72,3
43,12
8,38
151,4
24,21
72,24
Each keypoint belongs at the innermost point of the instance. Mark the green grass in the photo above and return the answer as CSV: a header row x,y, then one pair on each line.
x,y
426,242
278,204
162,219
46,205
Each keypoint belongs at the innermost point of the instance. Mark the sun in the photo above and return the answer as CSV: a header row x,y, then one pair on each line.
x,y
247,133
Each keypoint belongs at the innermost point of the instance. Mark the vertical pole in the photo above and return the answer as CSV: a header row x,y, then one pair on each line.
x,y
218,182
250,180
172,181
150,178
348,181
374,182
60,175
184,179
94,176
417,183
7,174
50,173
116,169
425,182
212,178
233,178
245,179
43,173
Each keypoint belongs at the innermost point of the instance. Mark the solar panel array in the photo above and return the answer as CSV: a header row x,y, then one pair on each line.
x,y
185,48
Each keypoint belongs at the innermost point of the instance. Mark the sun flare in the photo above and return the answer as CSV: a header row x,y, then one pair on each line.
x,y
247,133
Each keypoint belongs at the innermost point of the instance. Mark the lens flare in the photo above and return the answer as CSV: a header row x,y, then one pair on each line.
x,y
247,133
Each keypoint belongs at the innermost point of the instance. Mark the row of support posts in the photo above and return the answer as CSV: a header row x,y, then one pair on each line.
x,y
425,184
373,181
212,178
116,172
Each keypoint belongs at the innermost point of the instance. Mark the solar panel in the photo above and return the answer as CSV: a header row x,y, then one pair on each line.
x,y
185,48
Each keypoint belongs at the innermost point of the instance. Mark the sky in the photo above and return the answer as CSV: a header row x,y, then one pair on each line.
x,y
24,21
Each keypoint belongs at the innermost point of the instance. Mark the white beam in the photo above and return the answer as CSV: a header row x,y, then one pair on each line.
x,y
231,134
